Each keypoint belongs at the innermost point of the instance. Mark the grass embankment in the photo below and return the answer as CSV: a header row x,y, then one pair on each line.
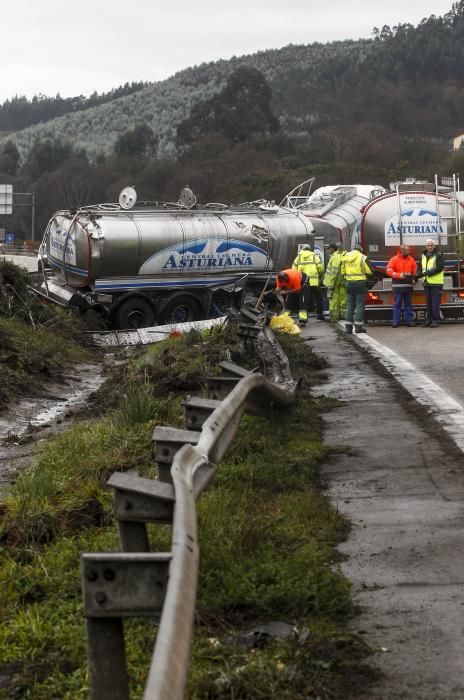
x,y
30,355
267,544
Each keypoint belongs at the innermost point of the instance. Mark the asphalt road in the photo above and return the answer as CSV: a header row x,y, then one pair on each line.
x,y
400,481
438,352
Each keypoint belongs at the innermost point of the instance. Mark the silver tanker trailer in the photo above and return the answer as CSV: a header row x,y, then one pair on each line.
x,y
150,264
335,211
380,220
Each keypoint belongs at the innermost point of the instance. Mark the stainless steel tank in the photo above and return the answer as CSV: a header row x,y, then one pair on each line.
x,y
380,221
336,212
95,244
410,217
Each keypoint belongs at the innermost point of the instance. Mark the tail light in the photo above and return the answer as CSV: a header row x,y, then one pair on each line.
x,y
460,295
373,298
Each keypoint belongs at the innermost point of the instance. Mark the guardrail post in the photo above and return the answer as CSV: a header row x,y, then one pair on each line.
x,y
135,584
115,586
249,331
231,370
133,536
251,315
219,387
106,656
136,501
167,441
198,410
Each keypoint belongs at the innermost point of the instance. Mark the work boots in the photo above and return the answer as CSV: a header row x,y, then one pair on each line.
x,y
359,328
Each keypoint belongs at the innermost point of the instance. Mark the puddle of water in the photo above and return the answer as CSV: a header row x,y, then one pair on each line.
x,y
60,400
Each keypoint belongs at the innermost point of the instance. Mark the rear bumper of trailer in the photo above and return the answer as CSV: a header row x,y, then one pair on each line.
x,y
382,315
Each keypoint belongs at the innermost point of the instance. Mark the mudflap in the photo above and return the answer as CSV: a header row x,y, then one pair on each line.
x,y
382,315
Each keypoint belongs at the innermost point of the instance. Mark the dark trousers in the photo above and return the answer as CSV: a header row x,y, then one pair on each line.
x,y
433,300
311,295
402,296
355,302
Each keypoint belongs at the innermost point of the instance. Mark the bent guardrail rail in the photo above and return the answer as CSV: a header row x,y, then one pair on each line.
x,y
139,583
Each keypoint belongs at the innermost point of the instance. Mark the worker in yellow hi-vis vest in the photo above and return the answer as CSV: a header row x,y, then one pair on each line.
x,y
335,283
355,270
431,269
308,262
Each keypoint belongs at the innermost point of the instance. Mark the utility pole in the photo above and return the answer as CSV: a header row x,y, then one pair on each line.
x,y
33,216
26,199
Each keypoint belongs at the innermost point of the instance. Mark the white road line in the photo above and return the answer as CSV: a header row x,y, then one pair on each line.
x,y
442,407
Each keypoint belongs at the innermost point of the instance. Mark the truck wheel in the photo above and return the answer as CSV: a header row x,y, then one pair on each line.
x,y
135,312
181,309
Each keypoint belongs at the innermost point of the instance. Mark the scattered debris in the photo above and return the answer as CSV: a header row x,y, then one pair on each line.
x,y
146,336
261,635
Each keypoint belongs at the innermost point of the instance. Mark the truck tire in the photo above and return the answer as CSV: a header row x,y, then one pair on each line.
x,y
134,312
181,308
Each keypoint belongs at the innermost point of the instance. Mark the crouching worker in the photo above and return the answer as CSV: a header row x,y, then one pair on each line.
x,y
355,270
289,282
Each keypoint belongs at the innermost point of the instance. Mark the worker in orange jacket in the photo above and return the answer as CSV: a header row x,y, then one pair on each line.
x,y
402,268
289,282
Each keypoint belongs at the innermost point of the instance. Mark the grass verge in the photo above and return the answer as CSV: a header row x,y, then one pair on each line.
x,y
267,533
29,355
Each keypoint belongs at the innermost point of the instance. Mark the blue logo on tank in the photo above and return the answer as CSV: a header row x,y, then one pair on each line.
x,y
207,253
421,212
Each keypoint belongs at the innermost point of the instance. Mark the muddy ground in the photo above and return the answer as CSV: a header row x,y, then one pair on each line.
x,y
29,420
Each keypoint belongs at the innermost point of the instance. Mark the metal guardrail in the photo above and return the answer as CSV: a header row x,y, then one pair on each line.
x,y
140,583
7,250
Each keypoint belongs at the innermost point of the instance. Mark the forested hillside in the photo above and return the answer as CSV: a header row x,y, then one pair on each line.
x,y
251,126
19,112
408,78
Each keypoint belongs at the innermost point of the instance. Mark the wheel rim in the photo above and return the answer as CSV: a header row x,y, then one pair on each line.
x,y
135,319
181,314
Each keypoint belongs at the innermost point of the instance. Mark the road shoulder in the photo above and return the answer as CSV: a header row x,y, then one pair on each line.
x,y
435,401
401,483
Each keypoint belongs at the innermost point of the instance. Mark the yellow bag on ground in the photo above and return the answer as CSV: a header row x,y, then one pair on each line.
x,y
285,323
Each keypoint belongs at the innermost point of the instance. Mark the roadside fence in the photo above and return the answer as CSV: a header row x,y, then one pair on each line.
x,y
140,583
17,250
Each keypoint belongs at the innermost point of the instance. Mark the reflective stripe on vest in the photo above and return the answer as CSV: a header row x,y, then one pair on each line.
x,y
354,269
310,264
437,278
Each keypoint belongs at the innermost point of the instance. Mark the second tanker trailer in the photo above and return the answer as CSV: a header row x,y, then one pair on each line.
x,y
380,221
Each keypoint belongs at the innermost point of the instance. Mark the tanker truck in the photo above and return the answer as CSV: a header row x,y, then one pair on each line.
x,y
145,264
380,221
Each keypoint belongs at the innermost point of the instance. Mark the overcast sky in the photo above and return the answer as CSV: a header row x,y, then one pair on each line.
x,y
76,47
